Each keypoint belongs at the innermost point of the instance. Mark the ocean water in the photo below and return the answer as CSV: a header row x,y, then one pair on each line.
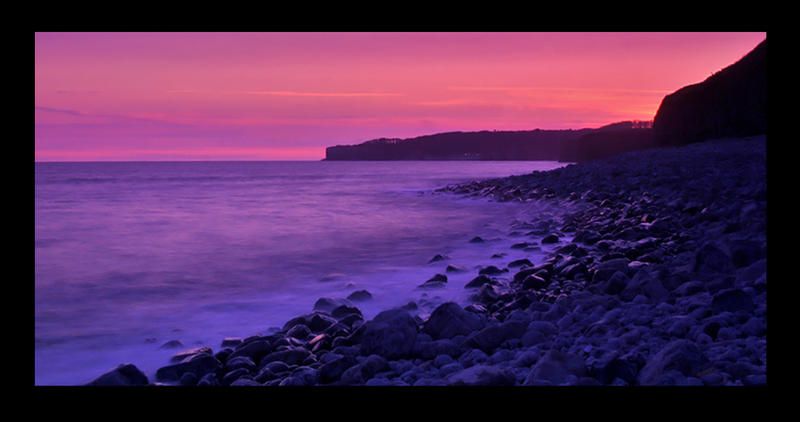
x,y
131,255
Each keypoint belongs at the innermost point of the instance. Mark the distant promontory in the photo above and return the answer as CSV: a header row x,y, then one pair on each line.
x,y
538,144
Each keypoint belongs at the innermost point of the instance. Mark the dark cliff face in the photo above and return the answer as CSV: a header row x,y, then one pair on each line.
x,y
732,102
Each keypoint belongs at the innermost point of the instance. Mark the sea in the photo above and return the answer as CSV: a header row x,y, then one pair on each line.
x,y
132,255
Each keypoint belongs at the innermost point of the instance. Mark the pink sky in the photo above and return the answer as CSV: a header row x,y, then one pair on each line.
x,y
287,96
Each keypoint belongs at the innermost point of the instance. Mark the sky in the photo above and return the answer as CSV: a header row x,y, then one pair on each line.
x,y
286,96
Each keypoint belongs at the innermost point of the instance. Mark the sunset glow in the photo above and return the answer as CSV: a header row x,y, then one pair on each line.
x,y
287,96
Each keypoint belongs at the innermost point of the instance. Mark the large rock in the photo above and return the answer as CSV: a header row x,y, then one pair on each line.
x,y
712,259
604,270
290,356
254,350
494,335
555,367
124,374
483,375
680,355
200,365
449,320
732,300
390,334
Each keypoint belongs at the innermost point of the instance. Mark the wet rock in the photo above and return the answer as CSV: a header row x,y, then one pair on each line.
x,y
299,331
455,269
328,304
551,238
391,334
333,370
291,356
555,367
438,258
343,311
604,270
732,300
254,350
245,382
188,379
490,337
712,259
690,288
200,365
491,270
320,322
534,282
682,356
449,320
172,344
520,262
190,352
208,380
232,376
359,296
240,362
231,341
483,375
124,374
476,239
486,295
437,281
479,281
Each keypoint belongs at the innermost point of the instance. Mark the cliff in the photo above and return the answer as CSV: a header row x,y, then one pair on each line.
x,y
732,102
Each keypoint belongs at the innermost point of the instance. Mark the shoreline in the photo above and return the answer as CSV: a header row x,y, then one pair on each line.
x,y
658,276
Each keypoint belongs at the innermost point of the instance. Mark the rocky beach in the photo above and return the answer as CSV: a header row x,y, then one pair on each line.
x,y
654,274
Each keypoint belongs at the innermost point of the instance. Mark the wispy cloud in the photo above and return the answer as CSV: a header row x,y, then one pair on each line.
x,y
319,94
550,88
290,93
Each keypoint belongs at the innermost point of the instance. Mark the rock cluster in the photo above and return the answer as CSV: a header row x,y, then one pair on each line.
x,y
657,276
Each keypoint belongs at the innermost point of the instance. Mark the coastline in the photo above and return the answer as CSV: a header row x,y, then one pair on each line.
x,y
657,276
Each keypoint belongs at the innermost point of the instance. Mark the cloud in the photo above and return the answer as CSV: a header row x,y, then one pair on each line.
x,y
289,93
319,94
542,88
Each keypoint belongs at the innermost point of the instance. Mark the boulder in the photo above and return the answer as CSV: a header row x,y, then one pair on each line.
x,y
478,281
124,374
191,352
359,296
483,375
681,355
390,334
489,338
491,270
290,356
328,304
519,263
555,367
449,320
732,300
254,350
200,365
333,370
551,238
712,259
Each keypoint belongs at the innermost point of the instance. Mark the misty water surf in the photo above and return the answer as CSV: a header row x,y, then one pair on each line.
x,y
131,255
